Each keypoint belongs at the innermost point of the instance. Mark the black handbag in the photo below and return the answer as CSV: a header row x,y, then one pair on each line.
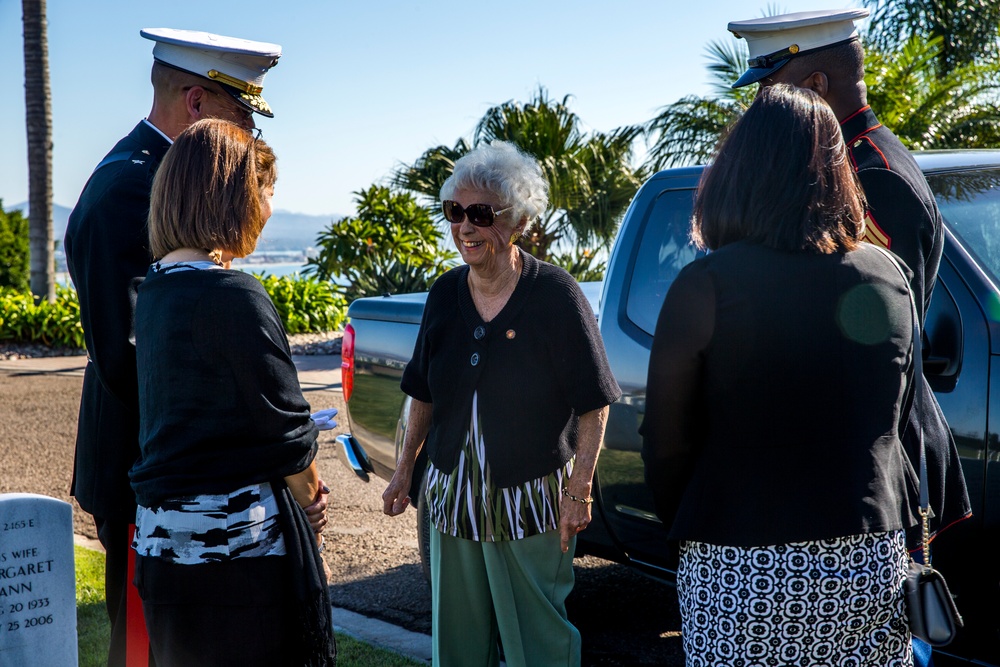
x,y
933,615
931,609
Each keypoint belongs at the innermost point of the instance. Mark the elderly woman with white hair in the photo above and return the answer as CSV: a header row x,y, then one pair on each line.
x,y
510,386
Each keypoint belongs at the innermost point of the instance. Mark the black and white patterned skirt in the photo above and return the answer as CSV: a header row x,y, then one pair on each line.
x,y
829,602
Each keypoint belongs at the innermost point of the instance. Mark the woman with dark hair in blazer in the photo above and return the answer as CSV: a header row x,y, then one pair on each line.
x,y
777,377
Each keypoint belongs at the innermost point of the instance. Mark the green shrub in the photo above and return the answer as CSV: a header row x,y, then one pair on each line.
x,y
15,271
52,324
305,304
392,246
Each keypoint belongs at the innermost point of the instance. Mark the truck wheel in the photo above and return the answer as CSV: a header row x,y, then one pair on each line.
x,y
424,533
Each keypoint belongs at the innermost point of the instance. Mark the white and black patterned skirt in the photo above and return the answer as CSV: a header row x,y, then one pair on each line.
x,y
829,602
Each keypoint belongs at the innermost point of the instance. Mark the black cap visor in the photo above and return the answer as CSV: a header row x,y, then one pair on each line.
x,y
755,74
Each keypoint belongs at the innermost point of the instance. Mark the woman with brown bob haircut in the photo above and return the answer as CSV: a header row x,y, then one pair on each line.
x,y
212,192
776,386
228,565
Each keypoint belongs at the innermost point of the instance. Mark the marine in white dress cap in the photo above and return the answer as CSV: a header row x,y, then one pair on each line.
x,y
238,65
774,40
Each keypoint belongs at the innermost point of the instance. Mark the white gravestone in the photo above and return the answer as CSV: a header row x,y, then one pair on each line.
x,y
37,582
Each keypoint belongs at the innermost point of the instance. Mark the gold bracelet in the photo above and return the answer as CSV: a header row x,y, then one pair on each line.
x,y
586,501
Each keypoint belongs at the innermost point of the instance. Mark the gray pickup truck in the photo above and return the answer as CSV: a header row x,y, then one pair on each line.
x,y
963,326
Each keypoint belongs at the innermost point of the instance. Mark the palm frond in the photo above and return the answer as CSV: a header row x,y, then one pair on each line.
x,y
927,109
687,131
726,63
429,172
968,28
590,176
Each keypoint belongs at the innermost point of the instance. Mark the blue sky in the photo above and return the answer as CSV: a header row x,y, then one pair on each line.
x,y
367,84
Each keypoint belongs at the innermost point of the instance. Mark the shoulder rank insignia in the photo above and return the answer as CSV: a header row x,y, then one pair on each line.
x,y
874,234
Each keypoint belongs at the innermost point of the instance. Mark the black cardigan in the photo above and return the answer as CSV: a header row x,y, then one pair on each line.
x,y
776,385
219,398
537,366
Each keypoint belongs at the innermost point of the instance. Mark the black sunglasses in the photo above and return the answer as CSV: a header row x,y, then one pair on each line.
x,y
481,215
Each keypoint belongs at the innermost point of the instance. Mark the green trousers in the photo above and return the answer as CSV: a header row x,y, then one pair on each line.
x,y
517,588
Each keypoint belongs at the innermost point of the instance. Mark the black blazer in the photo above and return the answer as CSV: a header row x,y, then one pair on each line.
x,y
107,252
903,217
775,393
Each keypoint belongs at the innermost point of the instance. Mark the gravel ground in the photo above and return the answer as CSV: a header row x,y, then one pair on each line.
x,y
625,618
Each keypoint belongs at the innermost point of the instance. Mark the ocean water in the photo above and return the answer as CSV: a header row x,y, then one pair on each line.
x,y
281,270
272,269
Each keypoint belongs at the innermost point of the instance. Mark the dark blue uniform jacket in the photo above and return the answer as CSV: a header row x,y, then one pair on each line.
x,y
107,252
904,218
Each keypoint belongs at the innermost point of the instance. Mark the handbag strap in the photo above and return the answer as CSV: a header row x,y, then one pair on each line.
x,y
918,381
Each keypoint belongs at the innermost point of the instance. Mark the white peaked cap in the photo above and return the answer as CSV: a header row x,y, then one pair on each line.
x,y
238,65
774,40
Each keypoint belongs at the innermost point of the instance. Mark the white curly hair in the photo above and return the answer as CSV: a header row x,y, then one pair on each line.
x,y
505,170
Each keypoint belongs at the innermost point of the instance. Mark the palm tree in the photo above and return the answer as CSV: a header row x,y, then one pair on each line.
x,y
928,109
38,116
431,170
967,28
591,178
687,131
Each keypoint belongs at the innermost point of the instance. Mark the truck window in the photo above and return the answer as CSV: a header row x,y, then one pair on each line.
x,y
970,204
664,248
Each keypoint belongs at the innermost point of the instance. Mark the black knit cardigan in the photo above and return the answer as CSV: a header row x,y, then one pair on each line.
x,y
537,366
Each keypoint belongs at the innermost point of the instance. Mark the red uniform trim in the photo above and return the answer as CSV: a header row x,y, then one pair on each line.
x,y
941,530
863,132
875,148
136,638
861,110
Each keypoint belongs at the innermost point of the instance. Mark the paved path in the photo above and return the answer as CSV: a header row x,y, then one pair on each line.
x,y
625,618
39,404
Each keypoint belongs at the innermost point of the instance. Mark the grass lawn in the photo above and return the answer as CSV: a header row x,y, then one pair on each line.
x,y
93,628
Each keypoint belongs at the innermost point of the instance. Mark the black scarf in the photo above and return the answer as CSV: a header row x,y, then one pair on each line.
x,y
318,646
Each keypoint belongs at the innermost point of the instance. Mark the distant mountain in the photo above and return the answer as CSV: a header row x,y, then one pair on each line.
x,y
284,231
293,231
60,216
